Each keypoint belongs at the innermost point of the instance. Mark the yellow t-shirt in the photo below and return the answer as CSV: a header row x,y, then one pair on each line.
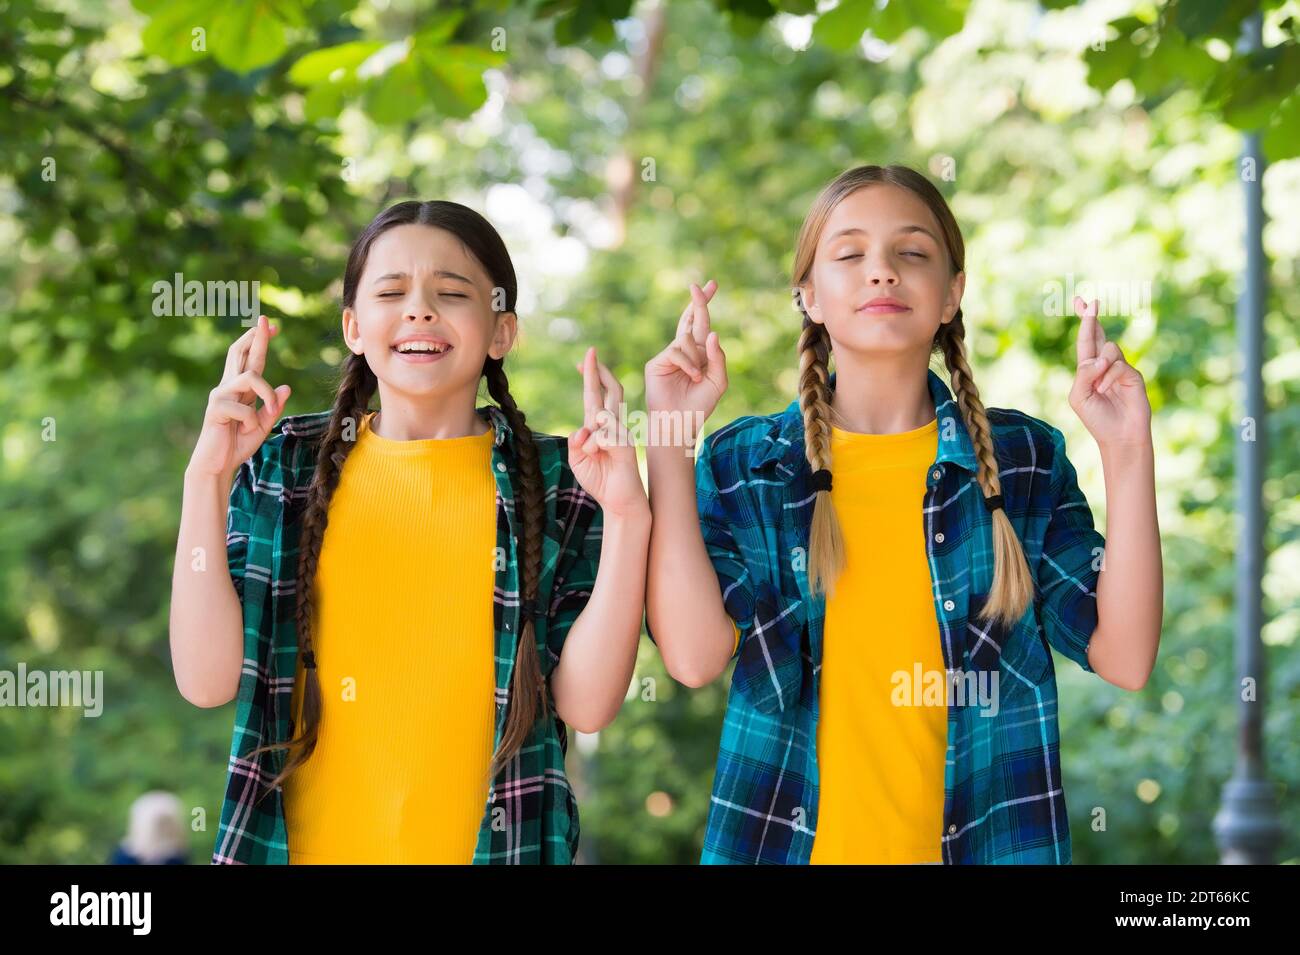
x,y
880,765
404,645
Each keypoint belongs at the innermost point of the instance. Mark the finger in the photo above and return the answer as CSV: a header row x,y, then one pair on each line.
x,y
257,350
596,442
700,320
1116,368
269,412
691,349
226,410
613,390
717,361
680,359
684,321
1086,346
577,439
590,389
250,381
236,353
1113,374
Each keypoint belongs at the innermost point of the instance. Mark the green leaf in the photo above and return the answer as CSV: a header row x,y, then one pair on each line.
x,y
1282,138
169,33
246,35
939,18
440,28
842,27
891,22
397,95
319,65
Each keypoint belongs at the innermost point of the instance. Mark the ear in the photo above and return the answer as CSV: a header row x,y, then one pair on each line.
x,y
953,302
352,331
503,337
809,295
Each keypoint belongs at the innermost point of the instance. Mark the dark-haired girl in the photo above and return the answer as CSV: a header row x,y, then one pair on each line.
x,y
888,561
419,598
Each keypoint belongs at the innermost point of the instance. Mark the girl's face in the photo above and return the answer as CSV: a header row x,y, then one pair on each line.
x,y
881,279
422,289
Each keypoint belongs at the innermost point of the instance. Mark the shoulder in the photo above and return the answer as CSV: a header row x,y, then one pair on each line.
x,y
737,441
288,455
1022,439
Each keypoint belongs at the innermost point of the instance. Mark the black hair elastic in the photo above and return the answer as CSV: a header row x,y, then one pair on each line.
x,y
993,502
529,608
308,660
821,480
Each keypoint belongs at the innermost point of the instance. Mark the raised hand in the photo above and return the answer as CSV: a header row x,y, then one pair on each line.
x,y
1109,394
691,373
232,427
601,454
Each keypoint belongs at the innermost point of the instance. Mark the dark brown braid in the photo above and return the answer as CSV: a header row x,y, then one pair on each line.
x,y
528,695
351,403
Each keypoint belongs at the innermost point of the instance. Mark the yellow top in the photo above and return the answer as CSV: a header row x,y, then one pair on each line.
x,y
404,646
880,758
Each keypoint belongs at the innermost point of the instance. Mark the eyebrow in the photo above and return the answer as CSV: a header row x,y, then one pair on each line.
x,y
902,230
440,273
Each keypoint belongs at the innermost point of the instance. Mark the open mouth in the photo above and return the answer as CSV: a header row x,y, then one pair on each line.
x,y
420,351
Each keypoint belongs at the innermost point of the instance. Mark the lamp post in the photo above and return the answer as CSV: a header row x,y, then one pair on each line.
x,y
1247,827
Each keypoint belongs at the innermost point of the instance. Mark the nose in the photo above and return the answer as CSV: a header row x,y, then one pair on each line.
x,y
880,272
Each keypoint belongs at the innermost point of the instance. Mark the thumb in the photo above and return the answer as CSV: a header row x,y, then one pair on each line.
x,y
717,360
1093,369
269,414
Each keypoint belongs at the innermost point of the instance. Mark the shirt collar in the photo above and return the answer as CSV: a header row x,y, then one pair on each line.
x,y
783,444
497,418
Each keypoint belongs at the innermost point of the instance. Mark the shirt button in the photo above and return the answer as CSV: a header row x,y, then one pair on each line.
x,y
936,474
938,538
501,466
952,829
948,605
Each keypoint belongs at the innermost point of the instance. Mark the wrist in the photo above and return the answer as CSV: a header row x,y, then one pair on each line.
x,y
198,479
634,516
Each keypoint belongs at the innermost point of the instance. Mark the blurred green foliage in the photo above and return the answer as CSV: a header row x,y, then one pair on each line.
x,y
623,153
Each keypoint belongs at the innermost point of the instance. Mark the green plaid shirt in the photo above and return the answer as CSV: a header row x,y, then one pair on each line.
x,y
1003,797
531,815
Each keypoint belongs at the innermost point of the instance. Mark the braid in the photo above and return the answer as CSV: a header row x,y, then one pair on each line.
x,y
826,541
351,402
529,689
1012,586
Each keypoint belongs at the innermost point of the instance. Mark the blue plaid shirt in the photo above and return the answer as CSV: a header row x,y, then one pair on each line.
x,y
1003,798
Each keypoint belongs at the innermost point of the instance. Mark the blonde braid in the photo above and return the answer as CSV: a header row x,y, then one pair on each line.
x,y
1012,588
825,541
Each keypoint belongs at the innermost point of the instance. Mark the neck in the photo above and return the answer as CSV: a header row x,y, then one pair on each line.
x,y
407,418
881,395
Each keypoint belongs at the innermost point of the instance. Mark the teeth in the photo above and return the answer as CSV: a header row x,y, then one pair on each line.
x,y
407,348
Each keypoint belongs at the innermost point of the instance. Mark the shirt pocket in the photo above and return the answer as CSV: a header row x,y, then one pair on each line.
x,y
1017,652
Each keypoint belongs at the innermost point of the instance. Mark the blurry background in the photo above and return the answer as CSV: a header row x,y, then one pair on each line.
x,y
624,150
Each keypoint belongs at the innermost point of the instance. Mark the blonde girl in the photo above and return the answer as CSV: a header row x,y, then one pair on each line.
x,y
888,561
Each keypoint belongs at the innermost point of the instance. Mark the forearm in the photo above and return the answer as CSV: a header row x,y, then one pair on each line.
x,y
591,679
684,607
206,617
1130,589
